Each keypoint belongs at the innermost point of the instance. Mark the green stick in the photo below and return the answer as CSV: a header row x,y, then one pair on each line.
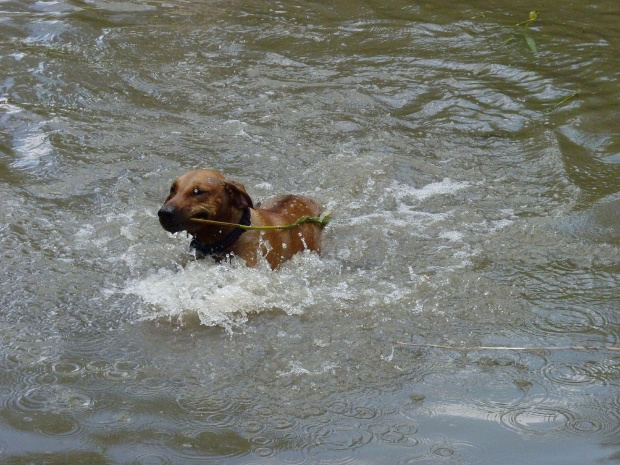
x,y
564,100
322,221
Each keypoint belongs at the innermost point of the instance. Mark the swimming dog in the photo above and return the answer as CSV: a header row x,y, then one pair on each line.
x,y
204,194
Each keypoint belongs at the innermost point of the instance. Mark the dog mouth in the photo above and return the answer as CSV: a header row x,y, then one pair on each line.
x,y
201,216
174,220
171,226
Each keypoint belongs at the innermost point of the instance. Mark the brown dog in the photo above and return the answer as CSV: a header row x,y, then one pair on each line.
x,y
208,195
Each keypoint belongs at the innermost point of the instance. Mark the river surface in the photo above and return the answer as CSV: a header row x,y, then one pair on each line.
x,y
473,170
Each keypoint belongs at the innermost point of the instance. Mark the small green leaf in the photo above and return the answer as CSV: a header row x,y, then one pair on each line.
x,y
532,44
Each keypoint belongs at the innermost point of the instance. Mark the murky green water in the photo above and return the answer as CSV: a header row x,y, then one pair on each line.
x,y
476,194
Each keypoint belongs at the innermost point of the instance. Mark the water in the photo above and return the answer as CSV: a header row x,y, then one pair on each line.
x,y
475,193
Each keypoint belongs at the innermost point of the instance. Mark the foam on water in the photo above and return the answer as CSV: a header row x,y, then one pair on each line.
x,y
225,294
446,186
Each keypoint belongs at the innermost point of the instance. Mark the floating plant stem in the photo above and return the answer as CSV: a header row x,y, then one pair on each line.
x,y
530,20
566,99
533,348
523,25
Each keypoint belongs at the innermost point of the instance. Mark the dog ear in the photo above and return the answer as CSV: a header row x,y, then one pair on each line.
x,y
238,195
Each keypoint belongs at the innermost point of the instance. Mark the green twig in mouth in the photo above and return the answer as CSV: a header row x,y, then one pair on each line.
x,y
322,221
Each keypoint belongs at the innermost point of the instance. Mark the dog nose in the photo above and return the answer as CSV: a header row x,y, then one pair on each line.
x,y
169,218
167,214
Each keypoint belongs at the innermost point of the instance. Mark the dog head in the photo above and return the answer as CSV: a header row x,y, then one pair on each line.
x,y
202,194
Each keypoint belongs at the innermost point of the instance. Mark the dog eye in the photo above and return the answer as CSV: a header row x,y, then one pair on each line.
x,y
197,191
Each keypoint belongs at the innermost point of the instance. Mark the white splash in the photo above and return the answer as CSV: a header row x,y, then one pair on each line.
x,y
32,146
225,294
446,186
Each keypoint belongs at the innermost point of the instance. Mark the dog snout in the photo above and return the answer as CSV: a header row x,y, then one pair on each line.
x,y
167,213
168,217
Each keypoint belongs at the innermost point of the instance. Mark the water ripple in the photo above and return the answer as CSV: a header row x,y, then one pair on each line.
x,y
569,375
575,320
251,427
50,408
515,391
292,457
118,371
111,417
265,445
607,413
402,435
537,420
336,436
58,425
198,447
150,458
206,404
586,426
53,398
152,387
64,370
28,354
446,451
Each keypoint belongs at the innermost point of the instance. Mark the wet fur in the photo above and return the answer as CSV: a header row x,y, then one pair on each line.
x,y
207,194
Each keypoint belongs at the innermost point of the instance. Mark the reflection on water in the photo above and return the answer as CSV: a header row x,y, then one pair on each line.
x,y
474,188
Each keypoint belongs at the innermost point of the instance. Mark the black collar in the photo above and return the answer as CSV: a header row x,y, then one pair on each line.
x,y
217,248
